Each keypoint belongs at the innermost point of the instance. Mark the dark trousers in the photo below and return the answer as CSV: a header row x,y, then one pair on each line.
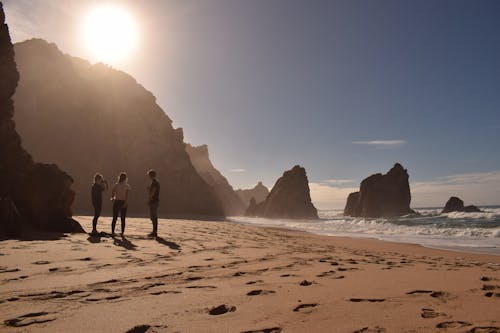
x,y
97,213
118,209
153,214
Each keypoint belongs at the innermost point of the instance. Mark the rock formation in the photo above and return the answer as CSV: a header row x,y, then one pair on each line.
x,y
289,198
92,118
259,193
381,195
231,202
455,204
32,195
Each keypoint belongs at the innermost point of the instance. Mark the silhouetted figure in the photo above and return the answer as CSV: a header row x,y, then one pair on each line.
x,y
119,195
99,185
153,201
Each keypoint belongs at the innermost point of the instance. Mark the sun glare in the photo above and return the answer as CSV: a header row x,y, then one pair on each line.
x,y
110,33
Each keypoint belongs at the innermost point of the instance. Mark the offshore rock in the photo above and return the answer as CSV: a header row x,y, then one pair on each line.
x,y
455,204
259,193
382,195
289,198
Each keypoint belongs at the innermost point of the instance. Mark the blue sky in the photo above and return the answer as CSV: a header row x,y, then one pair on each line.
x,y
344,88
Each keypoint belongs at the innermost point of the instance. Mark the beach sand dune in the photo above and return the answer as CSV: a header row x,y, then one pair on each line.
x,y
224,277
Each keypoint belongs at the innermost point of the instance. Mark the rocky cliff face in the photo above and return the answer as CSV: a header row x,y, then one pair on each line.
x,y
259,193
92,118
31,194
289,198
382,195
231,202
455,204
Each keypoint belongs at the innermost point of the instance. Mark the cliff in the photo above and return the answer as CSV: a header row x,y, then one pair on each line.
x,y
382,195
231,202
92,118
32,195
289,198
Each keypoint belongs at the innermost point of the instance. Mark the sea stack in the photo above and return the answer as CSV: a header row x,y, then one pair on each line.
x,y
381,195
455,204
32,195
259,193
289,198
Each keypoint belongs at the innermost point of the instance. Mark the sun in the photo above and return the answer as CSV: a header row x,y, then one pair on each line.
x,y
110,33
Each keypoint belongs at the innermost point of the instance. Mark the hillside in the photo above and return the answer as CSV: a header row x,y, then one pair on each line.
x,y
92,118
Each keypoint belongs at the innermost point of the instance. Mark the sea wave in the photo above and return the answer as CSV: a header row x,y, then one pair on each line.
x,y
430,228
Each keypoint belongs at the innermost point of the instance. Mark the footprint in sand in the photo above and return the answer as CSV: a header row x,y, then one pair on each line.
x,y
41,262
306,283
29,319
145,328
419,291
431,313
484,329
371,300
254,282
325,274
453,324
221,309
298,308
265,330
375,329
260,292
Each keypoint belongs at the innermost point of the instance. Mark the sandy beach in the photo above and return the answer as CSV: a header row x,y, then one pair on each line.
x,y
203,276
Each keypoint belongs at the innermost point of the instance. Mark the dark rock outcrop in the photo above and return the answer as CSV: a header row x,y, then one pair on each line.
x,y
231,202
32,195
455,204
382,195
92,118
352,207
259,193
289,198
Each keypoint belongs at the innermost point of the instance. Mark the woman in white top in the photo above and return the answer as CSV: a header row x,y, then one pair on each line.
x,y
119,195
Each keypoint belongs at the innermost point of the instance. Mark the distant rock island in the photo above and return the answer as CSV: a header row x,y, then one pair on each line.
x,y
455,204
259,193
231,202
289,198
32,195
381,195
92,118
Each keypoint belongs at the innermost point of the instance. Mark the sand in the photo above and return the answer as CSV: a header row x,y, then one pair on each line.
x,y
224,277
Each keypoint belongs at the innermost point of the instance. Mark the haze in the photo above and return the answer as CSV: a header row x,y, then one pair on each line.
x,y
345,88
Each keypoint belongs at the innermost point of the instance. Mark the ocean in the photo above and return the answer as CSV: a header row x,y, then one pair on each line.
x,y
470,232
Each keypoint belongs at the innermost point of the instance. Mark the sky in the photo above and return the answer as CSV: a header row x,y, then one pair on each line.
x,y
343,88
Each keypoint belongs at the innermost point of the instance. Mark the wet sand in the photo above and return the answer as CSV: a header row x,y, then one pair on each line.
x,y
224,277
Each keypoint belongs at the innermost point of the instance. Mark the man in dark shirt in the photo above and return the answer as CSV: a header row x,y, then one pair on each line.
x,y
153,201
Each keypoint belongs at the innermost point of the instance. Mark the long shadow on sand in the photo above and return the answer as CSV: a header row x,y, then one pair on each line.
x,y
165,242
124,242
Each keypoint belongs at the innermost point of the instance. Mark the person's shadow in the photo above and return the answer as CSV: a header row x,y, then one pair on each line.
x,y
171,245
96,238
124,242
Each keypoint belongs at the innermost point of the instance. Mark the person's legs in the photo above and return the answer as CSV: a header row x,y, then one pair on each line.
x,y
153,214
97,213
116,208
123,214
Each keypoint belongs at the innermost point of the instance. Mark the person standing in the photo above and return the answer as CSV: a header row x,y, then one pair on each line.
x,y
153,201
119,195
99,185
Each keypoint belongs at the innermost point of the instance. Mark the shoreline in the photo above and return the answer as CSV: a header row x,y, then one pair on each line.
x,y
227,277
